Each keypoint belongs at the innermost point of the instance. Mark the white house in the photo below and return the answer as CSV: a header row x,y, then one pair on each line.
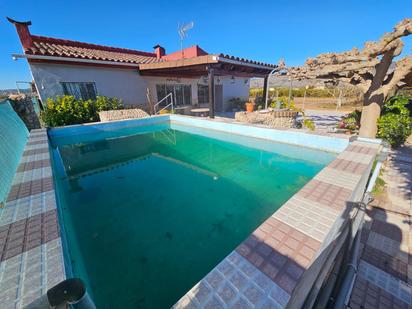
x,y
85,70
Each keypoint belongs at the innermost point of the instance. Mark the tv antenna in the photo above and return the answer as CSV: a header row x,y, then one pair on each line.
x,y
182,30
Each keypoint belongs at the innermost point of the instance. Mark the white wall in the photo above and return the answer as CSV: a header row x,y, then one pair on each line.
x,y
152,81
234,89
126,84
238,88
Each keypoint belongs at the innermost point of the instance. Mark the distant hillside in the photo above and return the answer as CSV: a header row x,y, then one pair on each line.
x,y
10,91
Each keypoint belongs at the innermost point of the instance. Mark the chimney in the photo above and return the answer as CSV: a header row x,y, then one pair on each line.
x,y
23,32
159,51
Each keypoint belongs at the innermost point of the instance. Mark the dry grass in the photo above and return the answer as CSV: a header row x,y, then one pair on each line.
x,y
327,104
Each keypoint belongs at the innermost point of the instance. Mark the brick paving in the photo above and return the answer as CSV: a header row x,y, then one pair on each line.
x,y
280,251
265,271
36,151
384,279
31,254
30,187
30,165
26,234
366,295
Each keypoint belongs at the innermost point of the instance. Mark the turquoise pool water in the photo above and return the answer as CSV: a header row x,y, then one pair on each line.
x,y
149,211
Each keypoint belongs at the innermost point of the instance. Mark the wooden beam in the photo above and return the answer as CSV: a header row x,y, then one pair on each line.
x,y
195,74
178,63
202,69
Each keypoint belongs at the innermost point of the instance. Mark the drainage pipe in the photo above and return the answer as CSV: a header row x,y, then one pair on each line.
x,y
352,267
70,291
343,296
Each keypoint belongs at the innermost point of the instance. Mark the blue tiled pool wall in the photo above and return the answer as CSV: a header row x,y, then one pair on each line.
x,y
287,150
13,138
289,137
97,131
54,155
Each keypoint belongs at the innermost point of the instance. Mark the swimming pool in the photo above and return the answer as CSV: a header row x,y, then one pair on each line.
x,y
148,210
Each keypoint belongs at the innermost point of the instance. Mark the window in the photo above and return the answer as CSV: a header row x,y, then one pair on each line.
x,y
83,91
182,94
203,94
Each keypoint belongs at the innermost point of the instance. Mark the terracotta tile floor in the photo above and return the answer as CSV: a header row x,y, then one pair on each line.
x,y
31,254
385,276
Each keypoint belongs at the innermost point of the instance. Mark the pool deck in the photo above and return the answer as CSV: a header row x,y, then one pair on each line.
x,y
31,255
277,265
274,267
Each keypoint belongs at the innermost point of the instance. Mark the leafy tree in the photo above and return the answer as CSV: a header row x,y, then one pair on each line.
x,y
372,69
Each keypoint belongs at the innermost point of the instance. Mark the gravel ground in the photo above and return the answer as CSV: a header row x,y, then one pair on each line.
x,y
324,120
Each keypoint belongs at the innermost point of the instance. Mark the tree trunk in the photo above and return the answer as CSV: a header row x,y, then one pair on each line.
x,y
370,114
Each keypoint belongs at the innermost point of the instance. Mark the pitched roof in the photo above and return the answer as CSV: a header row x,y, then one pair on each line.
x,y
46,46
73,49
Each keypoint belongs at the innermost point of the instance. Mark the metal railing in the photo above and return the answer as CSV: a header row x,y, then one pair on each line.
x,y
165,98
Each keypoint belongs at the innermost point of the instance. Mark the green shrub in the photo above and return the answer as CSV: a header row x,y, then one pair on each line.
x,y
397,105
237,103
305,122
350,121
67,110
308,123
394,124
284,103
394,128
103,103
296,92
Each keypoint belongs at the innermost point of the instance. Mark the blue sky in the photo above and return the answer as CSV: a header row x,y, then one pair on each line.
x,y
259,30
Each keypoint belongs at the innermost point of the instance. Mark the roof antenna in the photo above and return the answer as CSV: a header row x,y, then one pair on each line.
x,y
182,30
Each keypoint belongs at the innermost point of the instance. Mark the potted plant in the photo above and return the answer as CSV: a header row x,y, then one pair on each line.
x,y
350,122
250,107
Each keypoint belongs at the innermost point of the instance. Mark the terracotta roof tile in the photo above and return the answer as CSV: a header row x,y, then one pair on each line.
x,y
73,49
246,60
46,46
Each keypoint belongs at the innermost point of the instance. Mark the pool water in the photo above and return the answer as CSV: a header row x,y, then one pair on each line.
x,y
147,214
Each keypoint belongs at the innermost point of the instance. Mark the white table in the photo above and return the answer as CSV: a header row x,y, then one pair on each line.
x,y
200,111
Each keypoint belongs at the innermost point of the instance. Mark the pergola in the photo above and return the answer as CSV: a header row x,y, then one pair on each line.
x,y
210,66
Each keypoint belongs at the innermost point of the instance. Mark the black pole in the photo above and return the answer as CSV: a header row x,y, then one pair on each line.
x,y
211,79
265,90
70,291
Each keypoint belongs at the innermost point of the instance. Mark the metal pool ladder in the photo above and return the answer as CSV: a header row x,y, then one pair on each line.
x,y
170,104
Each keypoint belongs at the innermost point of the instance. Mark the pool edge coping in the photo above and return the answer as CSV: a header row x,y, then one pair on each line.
x,y
32,258
238,260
